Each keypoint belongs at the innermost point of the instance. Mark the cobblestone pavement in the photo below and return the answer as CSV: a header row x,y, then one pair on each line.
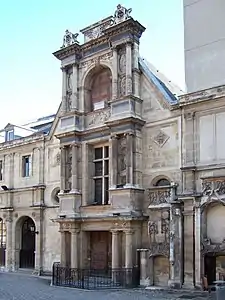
x,y
26,287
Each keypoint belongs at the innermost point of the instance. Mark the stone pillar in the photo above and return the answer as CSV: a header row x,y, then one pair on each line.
x,y
113,162
176,239
74,249
115,249
63,249
136,71
11,170
74,87
128,249
38,245
74,187
63,170
9,249
128,69
85,175
64,89
41,165
115,75
197,243
144,281
188,243
130,160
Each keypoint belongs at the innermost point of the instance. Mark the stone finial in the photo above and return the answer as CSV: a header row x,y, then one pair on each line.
x,y
121,14
69,38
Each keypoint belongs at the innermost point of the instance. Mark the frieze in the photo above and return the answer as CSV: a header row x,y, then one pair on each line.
x,y
96,60
158,196
214,249
159,249
97,118
213,187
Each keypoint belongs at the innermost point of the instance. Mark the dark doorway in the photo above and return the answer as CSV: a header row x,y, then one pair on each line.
x,y
100,245
2,242
27,251
210,268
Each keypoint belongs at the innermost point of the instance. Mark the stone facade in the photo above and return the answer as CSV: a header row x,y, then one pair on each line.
x,y
128,175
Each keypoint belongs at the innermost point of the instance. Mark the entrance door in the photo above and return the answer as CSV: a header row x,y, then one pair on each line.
x,y
100,243
27,252
210,268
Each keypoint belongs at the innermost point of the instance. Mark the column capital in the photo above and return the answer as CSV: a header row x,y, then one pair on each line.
x,y
114,136
74,144
114,231
63,69
74,231
128,231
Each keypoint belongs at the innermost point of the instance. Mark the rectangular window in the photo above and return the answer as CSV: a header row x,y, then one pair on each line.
x,y
26,166
1,170
9,135
101,175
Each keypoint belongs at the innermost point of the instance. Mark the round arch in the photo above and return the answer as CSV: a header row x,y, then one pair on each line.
x,y
25,235
161,180
97,88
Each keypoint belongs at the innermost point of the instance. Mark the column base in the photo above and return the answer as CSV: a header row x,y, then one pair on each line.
x,y
75,191
145,282
173,284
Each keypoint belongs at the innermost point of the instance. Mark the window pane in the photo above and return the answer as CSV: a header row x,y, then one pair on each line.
x,y
98,153
106,200
98,168
106,169
98,191
106,152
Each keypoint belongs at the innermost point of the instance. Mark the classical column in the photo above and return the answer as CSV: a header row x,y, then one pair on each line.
x,y
144,281
128,249
41,165
74,87
85,175
38,244
9,249
175,245
128,69
11,170
63,169
130,160
74,168
198,257
74,249
63,249
113,161
115,249
115,74
64,89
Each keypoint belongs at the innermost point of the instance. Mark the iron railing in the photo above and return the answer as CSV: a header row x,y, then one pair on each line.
x,y
95,279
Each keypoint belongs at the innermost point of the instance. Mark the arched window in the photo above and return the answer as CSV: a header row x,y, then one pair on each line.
x,y
98,88
162,182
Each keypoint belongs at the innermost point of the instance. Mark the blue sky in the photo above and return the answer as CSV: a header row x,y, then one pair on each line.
x,y
30,76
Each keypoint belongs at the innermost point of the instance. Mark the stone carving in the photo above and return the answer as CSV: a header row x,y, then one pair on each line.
x,y
152,229
69,81
98,118
58,159
158,196
97,60
66,226
96,32
213,187
207,247
160,138
121,14
159,249
122,163
122,60
68,168
129,85
122,86
69,38
69,102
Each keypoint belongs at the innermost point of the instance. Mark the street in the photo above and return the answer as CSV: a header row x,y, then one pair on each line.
x,y
26,287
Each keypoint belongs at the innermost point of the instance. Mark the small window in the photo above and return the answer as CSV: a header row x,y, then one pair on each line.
x,y
162,182
9,135
26,166
1,170
101,175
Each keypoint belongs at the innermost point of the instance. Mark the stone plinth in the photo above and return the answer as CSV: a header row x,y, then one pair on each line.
x,y
69,204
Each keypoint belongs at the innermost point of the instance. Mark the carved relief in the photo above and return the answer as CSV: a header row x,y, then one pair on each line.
x,y
96,60
69,101
160,138
65,226
207,247
98,118
122,60
122,164
58,159
96,32
68,168
122,86
214,187
158,196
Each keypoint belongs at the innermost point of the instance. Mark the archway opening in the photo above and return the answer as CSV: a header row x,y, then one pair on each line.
x,y
27,247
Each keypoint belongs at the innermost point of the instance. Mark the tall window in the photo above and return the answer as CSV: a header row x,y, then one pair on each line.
x,y
26,166
101,175
1,170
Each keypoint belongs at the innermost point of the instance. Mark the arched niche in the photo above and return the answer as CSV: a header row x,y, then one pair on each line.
x,y
97,88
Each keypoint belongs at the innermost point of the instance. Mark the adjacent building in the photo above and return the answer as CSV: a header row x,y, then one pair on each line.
x,y
128,173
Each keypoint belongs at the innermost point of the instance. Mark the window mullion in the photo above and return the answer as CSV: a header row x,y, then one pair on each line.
x,y
103,179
